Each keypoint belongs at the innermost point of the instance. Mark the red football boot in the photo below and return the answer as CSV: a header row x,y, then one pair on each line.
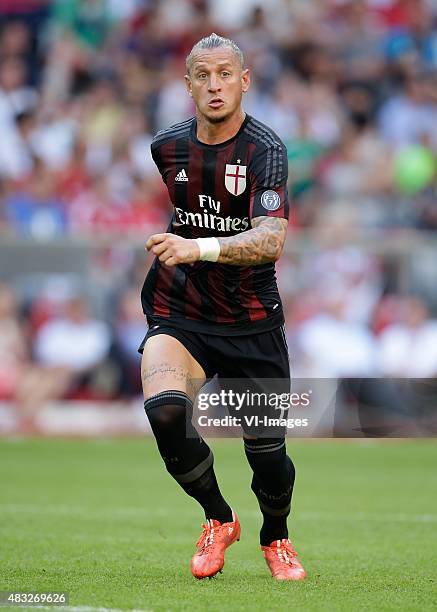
x,y
215,539
282,561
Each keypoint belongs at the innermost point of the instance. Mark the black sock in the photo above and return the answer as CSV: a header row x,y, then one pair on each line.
x,y
273,528
206,490
272,483
187,457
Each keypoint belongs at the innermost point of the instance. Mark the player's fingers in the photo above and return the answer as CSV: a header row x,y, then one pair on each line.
x,y
158,249
171,261
165,256
155,239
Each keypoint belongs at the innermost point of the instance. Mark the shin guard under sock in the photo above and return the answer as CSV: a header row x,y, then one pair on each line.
x,y
272,483
187,457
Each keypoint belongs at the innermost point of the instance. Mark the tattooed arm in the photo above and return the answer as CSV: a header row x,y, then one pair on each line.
x,y
261,244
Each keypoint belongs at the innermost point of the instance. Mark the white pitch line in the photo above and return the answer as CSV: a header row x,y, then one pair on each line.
x,y
131,512
87,609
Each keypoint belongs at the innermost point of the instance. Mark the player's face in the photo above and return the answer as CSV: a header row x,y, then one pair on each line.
x,y
216,82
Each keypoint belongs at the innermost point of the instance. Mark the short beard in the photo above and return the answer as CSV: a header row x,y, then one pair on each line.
x,y
216,120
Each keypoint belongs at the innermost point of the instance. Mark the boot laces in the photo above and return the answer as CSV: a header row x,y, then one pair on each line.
x,y
206,540
285,551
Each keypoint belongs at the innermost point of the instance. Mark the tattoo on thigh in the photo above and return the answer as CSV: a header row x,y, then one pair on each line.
x,y
161,370
164,369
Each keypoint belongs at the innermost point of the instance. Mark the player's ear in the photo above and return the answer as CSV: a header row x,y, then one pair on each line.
x,y
245,79
188,84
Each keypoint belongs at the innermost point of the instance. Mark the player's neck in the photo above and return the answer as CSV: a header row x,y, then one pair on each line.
x,y
215,133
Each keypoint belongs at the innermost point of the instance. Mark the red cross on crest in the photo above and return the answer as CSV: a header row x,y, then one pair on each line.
x,y
235,179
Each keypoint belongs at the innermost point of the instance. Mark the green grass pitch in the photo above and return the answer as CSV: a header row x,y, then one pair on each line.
x,y
104,522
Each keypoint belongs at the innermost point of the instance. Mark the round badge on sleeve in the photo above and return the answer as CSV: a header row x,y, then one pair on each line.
x,y
270,200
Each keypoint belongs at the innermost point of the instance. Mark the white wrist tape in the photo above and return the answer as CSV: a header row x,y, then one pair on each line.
x,y
209,249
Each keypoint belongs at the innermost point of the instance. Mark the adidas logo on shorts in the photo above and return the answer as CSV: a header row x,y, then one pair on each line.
x,y
181,177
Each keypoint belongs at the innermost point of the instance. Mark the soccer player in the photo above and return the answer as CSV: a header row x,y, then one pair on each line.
x,y
211,298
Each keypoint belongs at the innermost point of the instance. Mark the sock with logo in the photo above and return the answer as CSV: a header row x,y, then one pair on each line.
x,y
187,457
272,483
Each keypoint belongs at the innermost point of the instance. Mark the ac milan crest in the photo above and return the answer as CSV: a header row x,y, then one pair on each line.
x,y
235,179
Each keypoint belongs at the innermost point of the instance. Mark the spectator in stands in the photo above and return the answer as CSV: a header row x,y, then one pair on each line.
x,y
411,116
356,41
408,348
28,385
414,41
332,346
71,352
35,210
75,340
15,94
79,29
129,330
17,102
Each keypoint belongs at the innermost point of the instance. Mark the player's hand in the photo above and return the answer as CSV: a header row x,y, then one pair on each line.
x,y
173,250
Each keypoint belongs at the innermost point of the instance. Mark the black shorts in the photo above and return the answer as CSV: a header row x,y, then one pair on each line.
x,y
257,363
258,356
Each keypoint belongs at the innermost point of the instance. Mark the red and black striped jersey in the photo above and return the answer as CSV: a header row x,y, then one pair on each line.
x,y
216,190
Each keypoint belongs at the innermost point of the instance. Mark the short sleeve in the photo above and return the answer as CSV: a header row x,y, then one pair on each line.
x,y
268,171
157,158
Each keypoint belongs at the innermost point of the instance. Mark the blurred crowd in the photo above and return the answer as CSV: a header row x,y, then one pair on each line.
x,y
65,339
349,85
